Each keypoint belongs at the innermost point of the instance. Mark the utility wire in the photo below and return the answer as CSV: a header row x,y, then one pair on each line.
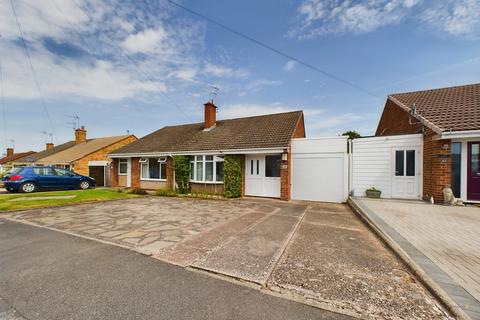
x,y
2,101
272,49
35,78
138,67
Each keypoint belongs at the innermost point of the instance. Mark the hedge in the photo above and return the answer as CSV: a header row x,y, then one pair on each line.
x,y
182,173
232,176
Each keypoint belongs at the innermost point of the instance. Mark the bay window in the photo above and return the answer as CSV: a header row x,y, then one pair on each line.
x,y
206,169
153,168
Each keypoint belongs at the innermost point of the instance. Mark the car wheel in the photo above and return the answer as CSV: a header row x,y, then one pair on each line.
x,y
84,185
28,187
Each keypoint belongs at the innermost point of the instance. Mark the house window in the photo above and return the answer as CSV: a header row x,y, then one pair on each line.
x,y
399,162
153,168
405,163
206,169
272,166
456,167
122,166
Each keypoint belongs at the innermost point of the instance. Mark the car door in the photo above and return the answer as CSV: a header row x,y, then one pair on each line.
x,y
46,177
66,179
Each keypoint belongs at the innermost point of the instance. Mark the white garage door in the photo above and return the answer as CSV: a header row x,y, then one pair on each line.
x,y
319,169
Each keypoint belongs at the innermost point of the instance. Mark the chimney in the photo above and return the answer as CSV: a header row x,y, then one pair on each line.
x,y
210,115
49,146
80,135
9,152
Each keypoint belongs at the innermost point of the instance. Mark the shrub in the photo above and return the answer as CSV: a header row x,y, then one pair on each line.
x,y
182,173
165,192
138,191
232,176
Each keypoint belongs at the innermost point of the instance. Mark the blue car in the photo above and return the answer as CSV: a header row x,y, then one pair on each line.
x,y
31,179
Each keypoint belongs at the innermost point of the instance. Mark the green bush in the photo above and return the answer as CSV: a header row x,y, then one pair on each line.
x,y
138,191
166,192
182,173
232,178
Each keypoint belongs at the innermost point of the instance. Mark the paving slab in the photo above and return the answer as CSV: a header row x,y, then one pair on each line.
x,y
336,261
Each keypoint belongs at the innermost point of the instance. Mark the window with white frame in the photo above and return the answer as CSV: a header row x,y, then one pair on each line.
x,y
153,168
122,166
206,169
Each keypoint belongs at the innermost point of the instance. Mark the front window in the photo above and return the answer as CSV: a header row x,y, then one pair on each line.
x,y
206,169
44,171
456,166
153,168
272,166
122,166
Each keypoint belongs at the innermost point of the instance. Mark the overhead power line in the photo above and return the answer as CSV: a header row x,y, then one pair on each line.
x,y
272,49
35,78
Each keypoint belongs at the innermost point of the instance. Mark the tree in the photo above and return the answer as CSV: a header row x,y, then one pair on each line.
x,y
352,134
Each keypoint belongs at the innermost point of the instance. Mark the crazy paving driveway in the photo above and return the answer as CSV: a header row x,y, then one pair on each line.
x,y
317,253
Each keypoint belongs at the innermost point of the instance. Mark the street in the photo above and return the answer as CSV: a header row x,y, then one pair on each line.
x,y
50,275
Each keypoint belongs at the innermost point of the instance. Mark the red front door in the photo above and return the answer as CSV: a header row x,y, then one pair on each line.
x,y
473,178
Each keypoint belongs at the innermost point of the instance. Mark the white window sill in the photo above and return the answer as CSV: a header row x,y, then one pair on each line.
x,y
207,182
158,180
123,174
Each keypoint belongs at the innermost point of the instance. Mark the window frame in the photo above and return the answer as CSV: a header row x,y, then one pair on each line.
x,y
122,161
147,162
194,161
405,163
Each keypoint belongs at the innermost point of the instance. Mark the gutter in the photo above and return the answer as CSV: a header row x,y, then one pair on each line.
x,y
460,134
191,153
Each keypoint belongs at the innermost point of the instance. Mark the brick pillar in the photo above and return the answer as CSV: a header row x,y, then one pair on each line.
x,y
114,173
285,178
170,173
135,167
436,166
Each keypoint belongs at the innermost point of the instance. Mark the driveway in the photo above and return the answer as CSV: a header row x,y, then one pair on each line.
x,y
444,241
317,253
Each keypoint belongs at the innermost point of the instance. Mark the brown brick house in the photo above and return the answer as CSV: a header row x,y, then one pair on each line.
x,y
84,156
449,119
263,142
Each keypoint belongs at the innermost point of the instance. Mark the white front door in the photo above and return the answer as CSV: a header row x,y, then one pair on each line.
x,y
262,175
406,173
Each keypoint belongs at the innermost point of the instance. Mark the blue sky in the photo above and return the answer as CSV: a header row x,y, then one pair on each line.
x,y
140,65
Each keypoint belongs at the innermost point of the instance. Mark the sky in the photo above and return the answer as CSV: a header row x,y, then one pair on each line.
x,y
136,66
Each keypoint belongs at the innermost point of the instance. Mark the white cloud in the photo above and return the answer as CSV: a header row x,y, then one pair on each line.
x,y
254,109
290,65
221,71
458,18
146,41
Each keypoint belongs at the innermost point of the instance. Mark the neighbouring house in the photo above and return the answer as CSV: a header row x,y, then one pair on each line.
x,y
84,156
10,156
447,120
262,142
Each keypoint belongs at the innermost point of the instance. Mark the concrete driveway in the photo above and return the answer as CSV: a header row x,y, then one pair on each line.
x,y
317,253
444,241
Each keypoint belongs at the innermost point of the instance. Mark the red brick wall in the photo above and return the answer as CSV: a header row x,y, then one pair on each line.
x,y
436,166
170,173
114,173
210,114
396,120
300,129
285,178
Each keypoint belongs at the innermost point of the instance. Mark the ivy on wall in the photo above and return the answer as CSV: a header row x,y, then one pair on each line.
x,y
232,178
182,173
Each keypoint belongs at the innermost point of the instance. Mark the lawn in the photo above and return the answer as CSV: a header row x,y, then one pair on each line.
x,y
79,196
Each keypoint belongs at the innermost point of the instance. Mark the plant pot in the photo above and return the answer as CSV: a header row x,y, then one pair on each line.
x,y
373,194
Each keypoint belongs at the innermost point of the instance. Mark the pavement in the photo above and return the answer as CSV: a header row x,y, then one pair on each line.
x,y
49,275
443,241
316,253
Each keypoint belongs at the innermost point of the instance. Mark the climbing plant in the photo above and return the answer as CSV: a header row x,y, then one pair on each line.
x,y
232,176
182,173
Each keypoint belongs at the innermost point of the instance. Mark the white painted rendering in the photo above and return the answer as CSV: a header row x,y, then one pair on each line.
x,y
129,172
256,183
98,163
373,165
320,169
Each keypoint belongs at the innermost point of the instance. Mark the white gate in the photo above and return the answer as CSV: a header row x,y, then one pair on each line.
x,y
320,169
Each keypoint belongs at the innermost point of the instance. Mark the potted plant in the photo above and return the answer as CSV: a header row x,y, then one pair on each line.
x,y
373,192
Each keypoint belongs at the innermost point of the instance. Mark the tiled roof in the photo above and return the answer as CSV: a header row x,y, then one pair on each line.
x,y
445,109
267,131
15,156
80,150
45,153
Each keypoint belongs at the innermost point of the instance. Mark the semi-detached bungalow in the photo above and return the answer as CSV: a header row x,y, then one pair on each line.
x,y
263,142
448,122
